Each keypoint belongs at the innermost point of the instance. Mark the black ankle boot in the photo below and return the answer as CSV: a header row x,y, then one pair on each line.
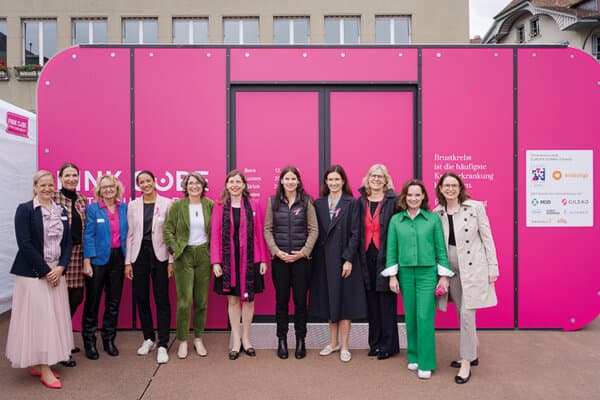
x,y
282,349
89,346
300,349
110,348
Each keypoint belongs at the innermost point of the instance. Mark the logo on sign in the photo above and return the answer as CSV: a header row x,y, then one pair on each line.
x,y
538,174
557,175
17,124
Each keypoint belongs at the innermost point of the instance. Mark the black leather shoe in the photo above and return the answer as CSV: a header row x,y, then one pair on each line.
x,y
110,348
282,349
69,363
383,355
233,355
300,352
456,364
249,351
460,380
373,352
75,350
91,351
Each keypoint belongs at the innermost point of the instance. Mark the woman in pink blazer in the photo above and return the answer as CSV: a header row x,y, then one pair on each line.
x,y
238,256
147,257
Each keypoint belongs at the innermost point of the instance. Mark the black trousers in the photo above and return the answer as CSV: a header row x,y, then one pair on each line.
x,y
294,276
382,309
148,266
108,279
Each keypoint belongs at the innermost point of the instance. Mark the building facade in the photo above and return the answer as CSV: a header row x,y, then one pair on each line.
x,y
572,22
32,31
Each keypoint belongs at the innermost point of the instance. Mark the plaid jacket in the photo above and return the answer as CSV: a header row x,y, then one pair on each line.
x,y
80,204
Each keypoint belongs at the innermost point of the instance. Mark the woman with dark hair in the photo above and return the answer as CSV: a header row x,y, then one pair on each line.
x,y
376,205
187,234
103,263
40,332
472,255
147,257
75,204
238,257
291,230
337,292
416,254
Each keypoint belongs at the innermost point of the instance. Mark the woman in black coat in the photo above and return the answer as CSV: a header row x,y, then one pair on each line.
x,y
376,205
337,292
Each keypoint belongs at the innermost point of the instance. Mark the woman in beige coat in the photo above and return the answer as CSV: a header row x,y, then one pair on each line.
x,y
472,254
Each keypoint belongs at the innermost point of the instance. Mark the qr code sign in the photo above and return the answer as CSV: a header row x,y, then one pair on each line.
x,y
538,174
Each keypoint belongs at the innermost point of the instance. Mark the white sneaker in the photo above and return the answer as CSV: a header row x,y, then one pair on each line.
x,y
413,366
162,357
199,346
424,374
182,351
146,347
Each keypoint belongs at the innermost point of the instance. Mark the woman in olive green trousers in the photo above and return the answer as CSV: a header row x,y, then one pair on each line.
x,y
187,233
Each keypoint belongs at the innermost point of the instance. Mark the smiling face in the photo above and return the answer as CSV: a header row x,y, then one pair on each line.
x,y
334,183
290,182
108,189
450,188
235,186
44,188
414,197
69,178
377,180
146,184
194,187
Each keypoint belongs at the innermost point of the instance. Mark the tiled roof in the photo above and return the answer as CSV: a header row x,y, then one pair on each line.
x,y
556,5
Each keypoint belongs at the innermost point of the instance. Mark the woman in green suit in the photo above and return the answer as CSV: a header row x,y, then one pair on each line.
x,y
187,234
416,255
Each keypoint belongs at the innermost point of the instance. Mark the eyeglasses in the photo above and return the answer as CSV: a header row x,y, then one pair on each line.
x,y
450,185
194,184
107,187
377,176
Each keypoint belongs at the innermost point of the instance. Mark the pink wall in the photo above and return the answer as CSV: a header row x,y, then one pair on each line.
x,y
467,114
181,124
559,94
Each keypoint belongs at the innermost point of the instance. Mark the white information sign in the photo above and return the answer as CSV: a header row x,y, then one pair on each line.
x,y
560,188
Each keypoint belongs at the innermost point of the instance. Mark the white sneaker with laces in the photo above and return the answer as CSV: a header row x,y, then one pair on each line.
x,y
162,357
327,350
424,374
146,347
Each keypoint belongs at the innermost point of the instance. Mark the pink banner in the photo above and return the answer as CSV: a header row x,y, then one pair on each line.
x,y
17,124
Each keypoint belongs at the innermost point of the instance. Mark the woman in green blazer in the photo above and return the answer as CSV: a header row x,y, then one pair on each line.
x,y
416,255
187,234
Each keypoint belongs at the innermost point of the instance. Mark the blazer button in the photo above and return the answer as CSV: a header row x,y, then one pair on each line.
x,y
470,263
468,251
465,220
465,208
467,241
466,230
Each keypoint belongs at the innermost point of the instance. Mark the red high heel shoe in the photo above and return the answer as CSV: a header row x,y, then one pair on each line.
x,y
55,385
35,372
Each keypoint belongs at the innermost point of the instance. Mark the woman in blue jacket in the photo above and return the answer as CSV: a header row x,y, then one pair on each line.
x,y
103,264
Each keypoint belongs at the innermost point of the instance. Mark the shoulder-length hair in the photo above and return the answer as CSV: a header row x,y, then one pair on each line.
x,y
402,205
200,179
300,193
234,172
335,168
388,185
462,195
115,181
39,175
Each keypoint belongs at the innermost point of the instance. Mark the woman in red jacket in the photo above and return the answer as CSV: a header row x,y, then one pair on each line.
x,y
237,254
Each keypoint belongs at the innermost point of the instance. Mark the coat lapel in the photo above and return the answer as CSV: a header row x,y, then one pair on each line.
x,y
342,206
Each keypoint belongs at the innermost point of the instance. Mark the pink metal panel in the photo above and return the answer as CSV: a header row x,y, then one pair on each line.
x,y
468,129
83,117
273,130
559,94
324,65
180,126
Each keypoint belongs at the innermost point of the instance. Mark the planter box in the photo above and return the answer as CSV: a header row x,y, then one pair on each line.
x,y
27,75
3,75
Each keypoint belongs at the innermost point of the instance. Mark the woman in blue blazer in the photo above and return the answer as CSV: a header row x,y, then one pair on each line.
x,y
103,264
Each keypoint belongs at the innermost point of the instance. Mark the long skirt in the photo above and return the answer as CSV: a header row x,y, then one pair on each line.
x,y
40,330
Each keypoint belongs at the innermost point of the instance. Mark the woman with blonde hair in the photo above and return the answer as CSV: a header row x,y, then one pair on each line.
x,y
40,332
376,206
103,264
238,257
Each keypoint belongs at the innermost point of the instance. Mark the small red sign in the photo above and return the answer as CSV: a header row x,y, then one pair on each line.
x,y
17,124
